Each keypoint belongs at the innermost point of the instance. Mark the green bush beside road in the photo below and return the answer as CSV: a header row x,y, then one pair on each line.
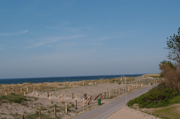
x,y
159,96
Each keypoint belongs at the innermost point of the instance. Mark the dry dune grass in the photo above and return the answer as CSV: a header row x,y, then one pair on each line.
x,y
25,88
29,87
150,75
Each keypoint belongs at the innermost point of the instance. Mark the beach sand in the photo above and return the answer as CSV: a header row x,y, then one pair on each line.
x,y
60,94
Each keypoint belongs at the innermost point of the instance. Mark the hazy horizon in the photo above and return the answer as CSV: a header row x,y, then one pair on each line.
x,y
78,76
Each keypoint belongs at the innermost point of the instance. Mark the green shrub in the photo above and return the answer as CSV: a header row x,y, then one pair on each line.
x,y
156,97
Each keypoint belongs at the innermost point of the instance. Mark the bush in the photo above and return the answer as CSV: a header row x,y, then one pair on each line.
x,y
171,74
156,97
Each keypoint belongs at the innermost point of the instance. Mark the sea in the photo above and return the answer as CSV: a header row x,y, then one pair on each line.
x,y
61,79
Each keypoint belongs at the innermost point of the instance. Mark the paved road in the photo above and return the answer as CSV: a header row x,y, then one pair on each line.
x,y
108,109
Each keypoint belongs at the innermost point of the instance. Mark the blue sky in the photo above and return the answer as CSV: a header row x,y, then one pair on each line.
x,y
49,38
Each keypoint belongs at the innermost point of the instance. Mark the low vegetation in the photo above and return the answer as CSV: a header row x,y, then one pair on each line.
x,y
168,112
12,98
159,96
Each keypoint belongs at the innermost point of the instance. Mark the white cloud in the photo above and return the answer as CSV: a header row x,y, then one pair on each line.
x,y
66,37
40,44
14,33
50,40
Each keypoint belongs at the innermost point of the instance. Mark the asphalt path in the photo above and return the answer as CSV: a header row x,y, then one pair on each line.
x,y
108,109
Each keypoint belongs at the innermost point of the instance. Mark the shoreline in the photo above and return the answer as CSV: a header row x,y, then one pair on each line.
x,y
61,79
29,87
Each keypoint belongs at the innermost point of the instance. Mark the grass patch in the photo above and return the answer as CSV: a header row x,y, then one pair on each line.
x,y
36,116
12,98
168,113
32,116
174,100
160,96
42,108
71,105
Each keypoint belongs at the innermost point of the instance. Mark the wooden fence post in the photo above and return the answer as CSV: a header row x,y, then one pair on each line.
x,y
22,116
66,108
83,102
132,87
50,97
27,89
76,97
48,94
129,87
5,93
87,99
62,98
55,111
72,95
109,94
76,104
37,94
40,115
90,100
21,90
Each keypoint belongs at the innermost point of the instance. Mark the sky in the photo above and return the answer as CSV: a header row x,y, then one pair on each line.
x,y
54,38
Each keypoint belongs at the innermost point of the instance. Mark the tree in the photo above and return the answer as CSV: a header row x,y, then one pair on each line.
x,y
171,71
166,66
173,44
163,63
